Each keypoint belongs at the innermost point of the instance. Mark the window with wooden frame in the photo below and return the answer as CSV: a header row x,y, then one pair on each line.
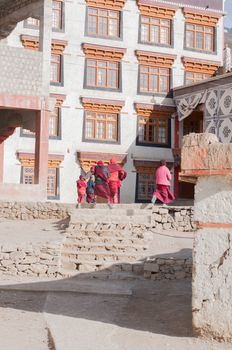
x,y
101,126
155,30
101,119
154,72
52,188
103,22
153,130
199,37
54,120
102,66
56,68
102,74
195,77
57,14
197,70
145,185
154,79
31,22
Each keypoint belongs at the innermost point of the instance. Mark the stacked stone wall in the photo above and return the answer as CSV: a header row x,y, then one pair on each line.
x,y
30,211
31,260
173,218
168,268
163,218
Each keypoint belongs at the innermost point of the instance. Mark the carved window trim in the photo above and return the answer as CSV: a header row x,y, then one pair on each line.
x,y
107,4
103,52
159,10
200,66
202,18
155,59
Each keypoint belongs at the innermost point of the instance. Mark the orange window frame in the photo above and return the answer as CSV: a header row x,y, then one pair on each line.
x,y
149,74
108,17
194,79
95,118
96,68
194,31
153,123
159,25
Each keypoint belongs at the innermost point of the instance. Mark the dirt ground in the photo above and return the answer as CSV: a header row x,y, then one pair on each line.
x,y
96,315
154,316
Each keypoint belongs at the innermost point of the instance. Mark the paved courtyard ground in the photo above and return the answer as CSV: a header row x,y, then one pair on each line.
x,y
84,314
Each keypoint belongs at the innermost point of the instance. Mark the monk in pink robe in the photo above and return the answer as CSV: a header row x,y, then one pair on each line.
x,y
163,178
81,189
101,173
116,175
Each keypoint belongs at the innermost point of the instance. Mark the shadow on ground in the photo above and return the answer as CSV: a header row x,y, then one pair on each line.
x,y
161,307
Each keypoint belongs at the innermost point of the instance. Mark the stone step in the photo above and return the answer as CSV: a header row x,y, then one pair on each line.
x,y
124,259
101,255
117,206
106,232
97,241
111,219
112,212
101,275
123,236
93,245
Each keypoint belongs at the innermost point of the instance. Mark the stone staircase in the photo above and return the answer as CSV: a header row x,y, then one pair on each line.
x,y
106,243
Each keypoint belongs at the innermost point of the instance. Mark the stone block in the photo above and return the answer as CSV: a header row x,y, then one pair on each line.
x,y
151,267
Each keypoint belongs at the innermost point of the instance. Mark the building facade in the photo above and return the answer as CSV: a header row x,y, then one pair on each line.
x,y
114,64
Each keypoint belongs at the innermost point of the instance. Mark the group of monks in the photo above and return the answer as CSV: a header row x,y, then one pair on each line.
x,y
104,182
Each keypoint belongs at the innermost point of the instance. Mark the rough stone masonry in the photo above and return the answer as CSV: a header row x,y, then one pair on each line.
x,y
210,164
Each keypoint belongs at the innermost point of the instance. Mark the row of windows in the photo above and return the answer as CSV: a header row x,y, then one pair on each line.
x,y
156,31
106,75
106,23
104,127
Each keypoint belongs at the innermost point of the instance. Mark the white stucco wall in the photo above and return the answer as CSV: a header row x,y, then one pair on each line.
x,y
72,110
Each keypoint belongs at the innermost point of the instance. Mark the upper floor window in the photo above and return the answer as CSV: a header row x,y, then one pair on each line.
x,y
57,15
101,126
153,130
200,37
154,79
155,30
101,119
103,22
54,122
102,74
102,66
31,22
56,68
197,70
154,72
194,77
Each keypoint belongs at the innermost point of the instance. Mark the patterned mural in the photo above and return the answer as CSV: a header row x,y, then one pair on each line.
x,y
218,110
218,113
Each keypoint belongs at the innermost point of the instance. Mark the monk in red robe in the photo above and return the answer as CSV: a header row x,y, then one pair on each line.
x,y
117,174
101,173
81,189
